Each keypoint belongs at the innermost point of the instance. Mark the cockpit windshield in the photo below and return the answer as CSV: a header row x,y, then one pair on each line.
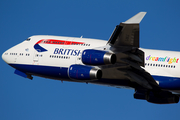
x,y
28,39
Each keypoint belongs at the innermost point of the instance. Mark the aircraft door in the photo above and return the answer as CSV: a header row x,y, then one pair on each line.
x,y
35,57
16,56
68,42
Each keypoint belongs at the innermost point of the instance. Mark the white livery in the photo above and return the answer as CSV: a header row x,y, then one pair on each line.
x,y
153,74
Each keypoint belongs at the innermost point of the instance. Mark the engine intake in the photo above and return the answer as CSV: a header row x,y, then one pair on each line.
x,y
81,72
97,57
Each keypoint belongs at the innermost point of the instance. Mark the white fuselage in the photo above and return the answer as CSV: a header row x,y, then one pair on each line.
x,y
47,51
25,53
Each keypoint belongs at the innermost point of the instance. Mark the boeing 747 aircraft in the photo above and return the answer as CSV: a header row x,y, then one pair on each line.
x,y
118,62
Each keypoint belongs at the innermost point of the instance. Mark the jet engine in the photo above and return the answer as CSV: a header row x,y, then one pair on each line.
x,y
97,57
81,72
164,97
169,98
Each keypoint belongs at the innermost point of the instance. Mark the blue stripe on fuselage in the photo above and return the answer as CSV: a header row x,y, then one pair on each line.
x,y
55,72
171,83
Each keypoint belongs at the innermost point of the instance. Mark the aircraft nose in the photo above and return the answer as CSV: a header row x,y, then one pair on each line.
x,y
4,56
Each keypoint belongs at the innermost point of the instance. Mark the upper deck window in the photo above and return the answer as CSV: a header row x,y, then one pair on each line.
x,y
28,39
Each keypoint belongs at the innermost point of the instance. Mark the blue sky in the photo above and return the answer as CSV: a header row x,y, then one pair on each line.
x,y
23,99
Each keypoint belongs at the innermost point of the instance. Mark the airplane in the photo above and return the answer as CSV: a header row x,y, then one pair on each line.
x,y
118,62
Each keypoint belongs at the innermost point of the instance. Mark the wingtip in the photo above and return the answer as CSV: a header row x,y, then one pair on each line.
x,y
136,19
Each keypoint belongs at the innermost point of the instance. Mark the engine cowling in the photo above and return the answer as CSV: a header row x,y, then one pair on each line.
x,y
160,98
81,72
140,95
163,100
97,57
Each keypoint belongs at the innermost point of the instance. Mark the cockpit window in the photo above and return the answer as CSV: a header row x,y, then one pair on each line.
x,y
28,39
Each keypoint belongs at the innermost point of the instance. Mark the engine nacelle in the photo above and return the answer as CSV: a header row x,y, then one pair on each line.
x,y
97,57
81,72
140,95
161,98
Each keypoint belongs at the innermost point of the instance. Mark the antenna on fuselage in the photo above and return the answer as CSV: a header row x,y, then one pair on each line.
x,y
81,36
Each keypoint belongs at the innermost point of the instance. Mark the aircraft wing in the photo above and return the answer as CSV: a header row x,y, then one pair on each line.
x,y
129,66
127,33
124,41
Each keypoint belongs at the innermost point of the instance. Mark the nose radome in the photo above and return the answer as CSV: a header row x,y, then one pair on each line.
x,y
4,56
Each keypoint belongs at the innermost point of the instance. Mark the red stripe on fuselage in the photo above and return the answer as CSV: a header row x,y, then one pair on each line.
x,y
58,42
